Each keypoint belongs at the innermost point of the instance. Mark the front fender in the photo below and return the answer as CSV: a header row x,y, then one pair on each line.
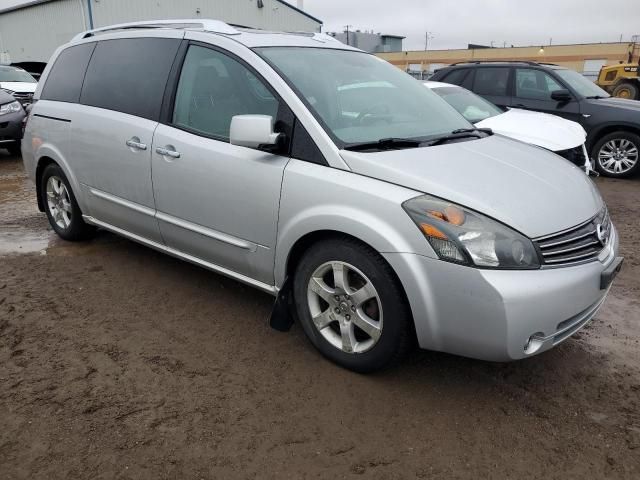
x,y
316,198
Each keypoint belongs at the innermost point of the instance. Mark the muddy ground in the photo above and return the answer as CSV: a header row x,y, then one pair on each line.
x,y
120,362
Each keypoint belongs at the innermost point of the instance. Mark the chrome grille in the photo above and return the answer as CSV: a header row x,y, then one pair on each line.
x,y
578,244
23,98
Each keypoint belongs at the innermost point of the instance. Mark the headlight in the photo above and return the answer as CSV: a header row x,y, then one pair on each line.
x,y
463,236
10,108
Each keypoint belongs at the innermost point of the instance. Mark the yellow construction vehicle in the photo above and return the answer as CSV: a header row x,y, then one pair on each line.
x,y
621,80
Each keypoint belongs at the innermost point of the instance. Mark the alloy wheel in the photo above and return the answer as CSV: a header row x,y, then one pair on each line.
x,y
59,202
618,156
345,307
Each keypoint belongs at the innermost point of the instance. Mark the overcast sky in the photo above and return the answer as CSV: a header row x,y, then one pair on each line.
x,y
455,23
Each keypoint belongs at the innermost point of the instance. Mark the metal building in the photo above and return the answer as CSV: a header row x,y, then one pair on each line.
x,y
369,41
31,30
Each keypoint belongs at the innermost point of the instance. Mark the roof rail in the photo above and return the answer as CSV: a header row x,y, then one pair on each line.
x,y
528,62
208,25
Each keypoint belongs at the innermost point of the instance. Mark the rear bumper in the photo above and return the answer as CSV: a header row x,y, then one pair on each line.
x,y
500,315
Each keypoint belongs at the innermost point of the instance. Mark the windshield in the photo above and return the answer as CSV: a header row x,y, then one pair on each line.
x,y
13,74
360,98
471,106
581,84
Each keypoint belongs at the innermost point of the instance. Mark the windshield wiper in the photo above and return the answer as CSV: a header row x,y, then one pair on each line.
x,y
460,133
595,97
385,144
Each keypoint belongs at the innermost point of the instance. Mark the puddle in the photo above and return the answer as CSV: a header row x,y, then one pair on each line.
x,y
15,240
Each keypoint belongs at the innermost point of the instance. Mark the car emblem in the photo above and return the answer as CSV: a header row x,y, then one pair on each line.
x,y
602,235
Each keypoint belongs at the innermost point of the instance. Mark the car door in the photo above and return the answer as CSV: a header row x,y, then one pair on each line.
x,y
113,127
532,91
492,83
218,202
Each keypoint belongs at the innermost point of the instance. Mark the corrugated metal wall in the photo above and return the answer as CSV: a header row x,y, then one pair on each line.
x,y
274,15
33,33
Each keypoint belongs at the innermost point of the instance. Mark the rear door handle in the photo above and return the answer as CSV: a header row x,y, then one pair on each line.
x,y
134,142
165,152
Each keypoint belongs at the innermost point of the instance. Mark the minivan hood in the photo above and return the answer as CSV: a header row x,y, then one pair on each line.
x,y
547,131
19,87
526,187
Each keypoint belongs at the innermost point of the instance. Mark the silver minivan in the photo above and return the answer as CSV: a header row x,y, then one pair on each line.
x,y
374,212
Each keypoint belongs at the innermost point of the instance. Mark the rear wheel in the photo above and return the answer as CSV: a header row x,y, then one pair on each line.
x,y
627,90
617,154
351,305
61,207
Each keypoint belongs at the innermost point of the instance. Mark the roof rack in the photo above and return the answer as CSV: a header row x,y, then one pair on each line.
x,y
207,25
528,62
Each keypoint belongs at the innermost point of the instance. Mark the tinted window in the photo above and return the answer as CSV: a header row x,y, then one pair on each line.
x,y
129,75
491,81
214,87
457,77
535,84
64,81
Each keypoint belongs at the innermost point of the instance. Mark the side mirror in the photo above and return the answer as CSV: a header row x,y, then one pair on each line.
x,y
253,131
561,95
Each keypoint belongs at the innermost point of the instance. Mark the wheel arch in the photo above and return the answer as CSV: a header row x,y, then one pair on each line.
x,y
312,238
603,130
46,155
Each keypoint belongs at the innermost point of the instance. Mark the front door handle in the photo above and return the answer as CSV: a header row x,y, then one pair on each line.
x,y
134,142
166,152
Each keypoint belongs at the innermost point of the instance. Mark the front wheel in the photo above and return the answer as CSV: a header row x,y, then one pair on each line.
x,y
61,207
617,154
351,305
627,90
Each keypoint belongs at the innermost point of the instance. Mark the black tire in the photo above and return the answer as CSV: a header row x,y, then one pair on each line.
x,y
14,149
627,90
603,146
77,229
396,334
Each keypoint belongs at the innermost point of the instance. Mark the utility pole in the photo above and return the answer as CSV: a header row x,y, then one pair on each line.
x,y
346,27
427,37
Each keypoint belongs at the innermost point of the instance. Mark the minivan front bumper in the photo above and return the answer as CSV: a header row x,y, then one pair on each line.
x,y
500,315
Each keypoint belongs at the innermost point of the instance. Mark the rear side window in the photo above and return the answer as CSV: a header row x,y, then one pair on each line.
x,y
491,81
64,81
457,77
129,75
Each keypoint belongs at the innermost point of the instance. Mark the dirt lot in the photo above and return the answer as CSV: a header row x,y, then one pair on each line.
x,y
120,362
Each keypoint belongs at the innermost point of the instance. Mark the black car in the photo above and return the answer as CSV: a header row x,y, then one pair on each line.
x,y
612,124
11,116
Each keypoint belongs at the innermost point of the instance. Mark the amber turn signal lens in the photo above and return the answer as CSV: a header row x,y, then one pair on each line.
x,y
454,215
431,231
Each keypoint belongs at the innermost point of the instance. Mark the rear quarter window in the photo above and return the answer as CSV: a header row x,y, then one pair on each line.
x,y
129,75
456,77
64,82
